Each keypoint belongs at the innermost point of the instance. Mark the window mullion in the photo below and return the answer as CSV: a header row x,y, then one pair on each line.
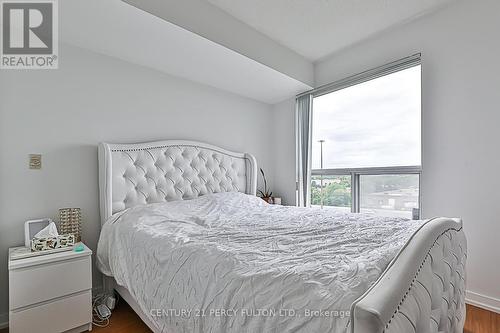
x,y
355,192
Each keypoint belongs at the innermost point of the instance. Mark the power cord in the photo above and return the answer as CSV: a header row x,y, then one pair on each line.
x,y
100,310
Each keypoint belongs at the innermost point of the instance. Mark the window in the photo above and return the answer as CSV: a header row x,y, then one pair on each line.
x,y
390,195
331,190
366,144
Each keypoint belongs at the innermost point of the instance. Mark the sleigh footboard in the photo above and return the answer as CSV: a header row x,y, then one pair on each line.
x,y
423,289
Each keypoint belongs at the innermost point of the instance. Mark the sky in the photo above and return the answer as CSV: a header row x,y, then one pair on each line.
x,y
372,124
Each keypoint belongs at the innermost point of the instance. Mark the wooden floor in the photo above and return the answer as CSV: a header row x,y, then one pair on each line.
x,y
124,320
481,321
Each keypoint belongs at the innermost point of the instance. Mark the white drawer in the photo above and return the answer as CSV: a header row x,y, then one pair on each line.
x,y
34,284
58,316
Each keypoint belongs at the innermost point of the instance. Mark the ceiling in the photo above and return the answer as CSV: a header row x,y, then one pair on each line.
x,y
260,49
117,29
318,28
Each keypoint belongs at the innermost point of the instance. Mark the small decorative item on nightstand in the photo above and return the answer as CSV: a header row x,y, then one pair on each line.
x,y
32,227
266,195
71,222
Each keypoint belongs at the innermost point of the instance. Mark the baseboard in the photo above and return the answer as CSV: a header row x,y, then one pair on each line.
x,y
482,301
4,320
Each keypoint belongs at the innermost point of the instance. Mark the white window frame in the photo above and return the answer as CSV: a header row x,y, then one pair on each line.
x,y
355,173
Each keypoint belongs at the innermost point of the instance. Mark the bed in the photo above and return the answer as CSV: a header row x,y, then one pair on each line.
x,y
187,244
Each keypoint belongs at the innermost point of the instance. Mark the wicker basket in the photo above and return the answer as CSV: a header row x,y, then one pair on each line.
x,y
71,222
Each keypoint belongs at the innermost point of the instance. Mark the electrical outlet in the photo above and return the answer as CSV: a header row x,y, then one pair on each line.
x,y
35,161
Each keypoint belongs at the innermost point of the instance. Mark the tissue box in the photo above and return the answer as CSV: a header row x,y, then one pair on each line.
x,y
50,243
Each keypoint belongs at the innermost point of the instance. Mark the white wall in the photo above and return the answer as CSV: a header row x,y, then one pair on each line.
x,y
64,113
461,115
284,151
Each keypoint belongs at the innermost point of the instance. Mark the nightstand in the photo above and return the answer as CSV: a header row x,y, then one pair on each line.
x,y
51,292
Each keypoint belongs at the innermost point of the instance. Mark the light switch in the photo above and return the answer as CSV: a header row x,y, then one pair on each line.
x,y
35,161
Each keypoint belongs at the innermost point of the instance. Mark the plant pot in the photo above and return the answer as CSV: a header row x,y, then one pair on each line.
x,y
268,199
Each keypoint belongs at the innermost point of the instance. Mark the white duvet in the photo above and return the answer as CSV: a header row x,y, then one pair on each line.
x,y
229,262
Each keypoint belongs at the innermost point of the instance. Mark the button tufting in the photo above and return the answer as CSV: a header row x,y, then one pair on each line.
x,y
440,287
176,172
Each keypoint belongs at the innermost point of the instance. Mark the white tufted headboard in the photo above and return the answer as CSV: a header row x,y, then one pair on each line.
x,y
142,173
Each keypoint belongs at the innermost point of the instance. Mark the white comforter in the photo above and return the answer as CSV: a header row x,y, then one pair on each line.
x,y
229,262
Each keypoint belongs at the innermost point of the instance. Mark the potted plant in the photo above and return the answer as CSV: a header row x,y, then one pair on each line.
x,y
266,195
